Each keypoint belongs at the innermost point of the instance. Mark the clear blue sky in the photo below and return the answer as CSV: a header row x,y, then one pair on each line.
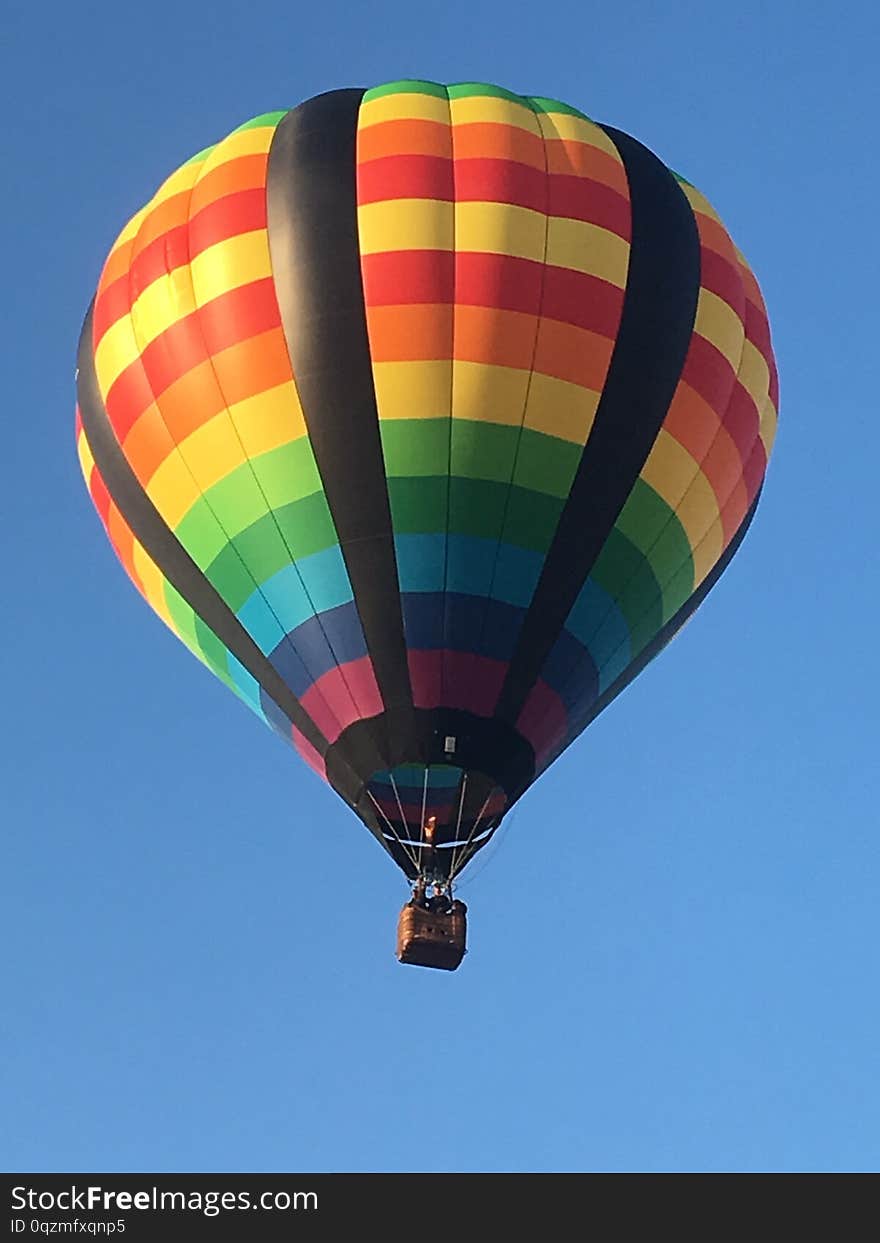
x,y
689,980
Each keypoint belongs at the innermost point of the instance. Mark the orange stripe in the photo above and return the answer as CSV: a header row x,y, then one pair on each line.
x,y
489,335
492,140
254,365
573,354
161,219
191,400
147,445
123,541
723,467
247,172
582,159
714,236
692,421
733,512
410,333
409,137
116,265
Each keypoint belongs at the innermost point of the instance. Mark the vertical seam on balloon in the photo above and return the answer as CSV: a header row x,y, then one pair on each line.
x,y
522,423
156,401
445,599
287,639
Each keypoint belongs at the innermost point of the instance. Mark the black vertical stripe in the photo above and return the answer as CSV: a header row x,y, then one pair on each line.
x,y
313,240
659,308
152,532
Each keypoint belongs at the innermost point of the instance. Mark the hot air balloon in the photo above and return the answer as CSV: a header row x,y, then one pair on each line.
x,y
425,417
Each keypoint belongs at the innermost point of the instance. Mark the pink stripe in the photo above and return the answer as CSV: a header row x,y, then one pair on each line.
x,y
308,753
342,695
456,680
543,720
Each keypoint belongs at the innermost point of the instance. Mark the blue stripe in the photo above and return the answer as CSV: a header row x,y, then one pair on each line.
x,y
318,645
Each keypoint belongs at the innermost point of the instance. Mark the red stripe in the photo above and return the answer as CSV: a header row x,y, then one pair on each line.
x,y
543,720
111,304
308,753
100,497
234,316
583,300
741,420
581,198
456,679
756,465
494,181
401,277
708,372
503,282
329,702
243,212
154,261
723,278
405,177
128,398
500,181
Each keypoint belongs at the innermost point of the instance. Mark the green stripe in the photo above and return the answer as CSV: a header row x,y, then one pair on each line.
x,y
406,86
669,555
284,475
622,571
265,119
540,104
467,90
415,446
199,155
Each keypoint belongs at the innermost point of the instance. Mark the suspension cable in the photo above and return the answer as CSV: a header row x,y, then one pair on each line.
x,y
407,850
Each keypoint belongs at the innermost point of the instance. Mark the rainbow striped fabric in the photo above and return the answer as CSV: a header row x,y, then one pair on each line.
x,y
425,416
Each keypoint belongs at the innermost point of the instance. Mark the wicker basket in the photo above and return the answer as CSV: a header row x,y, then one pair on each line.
x,y
427,938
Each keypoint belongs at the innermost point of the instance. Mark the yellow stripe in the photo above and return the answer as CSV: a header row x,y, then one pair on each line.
x,y
269,419
229,264
576,129
560,408
489,393
717,321
116,350
669,469
404,106
172,489
704,563
180,181
406,388
153,582
588,248
700,203
130,229
677,478
84,453
406,224
245,142
213,451
767,429
500,229
469,109
164,302
754,374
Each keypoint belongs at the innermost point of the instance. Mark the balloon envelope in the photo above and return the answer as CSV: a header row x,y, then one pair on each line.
x,y
425,416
